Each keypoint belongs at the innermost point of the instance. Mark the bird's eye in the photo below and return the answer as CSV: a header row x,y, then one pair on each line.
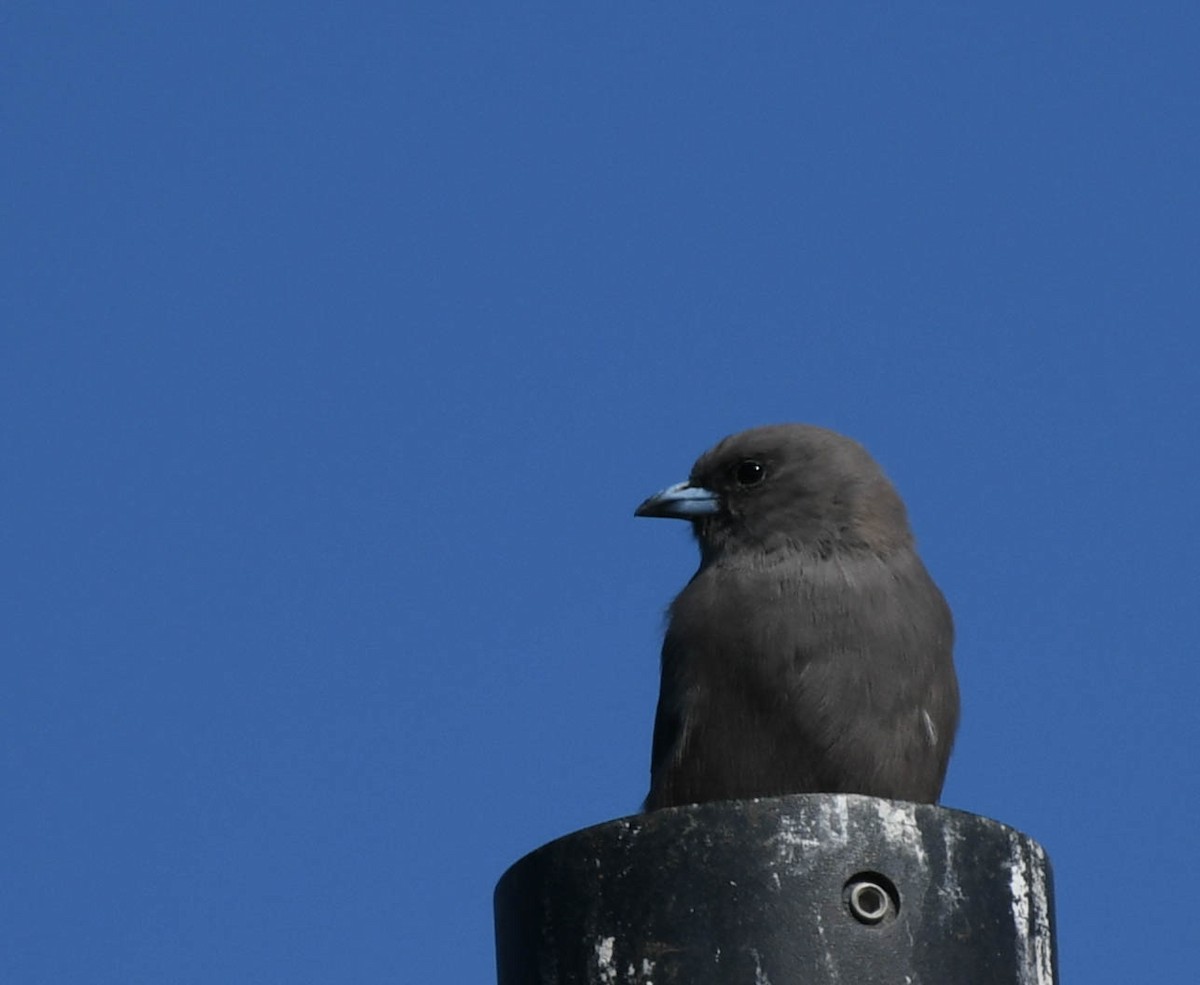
x,y
749,472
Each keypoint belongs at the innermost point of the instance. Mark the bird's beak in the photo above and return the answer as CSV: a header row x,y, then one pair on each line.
x,y
682,501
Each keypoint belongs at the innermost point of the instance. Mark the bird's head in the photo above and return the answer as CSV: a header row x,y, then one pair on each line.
x,y
787,487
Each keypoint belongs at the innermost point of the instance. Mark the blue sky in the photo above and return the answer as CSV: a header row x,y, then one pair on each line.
x,y
340,343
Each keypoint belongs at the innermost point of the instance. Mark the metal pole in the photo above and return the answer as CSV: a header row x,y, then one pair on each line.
x,y
812,889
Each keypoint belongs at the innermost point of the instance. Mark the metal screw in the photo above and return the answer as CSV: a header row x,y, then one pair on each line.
x,y
871,897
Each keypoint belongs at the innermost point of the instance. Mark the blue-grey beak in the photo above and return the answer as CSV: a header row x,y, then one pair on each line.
x,y
681,501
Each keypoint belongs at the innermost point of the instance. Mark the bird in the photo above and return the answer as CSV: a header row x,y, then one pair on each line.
x,y
811,652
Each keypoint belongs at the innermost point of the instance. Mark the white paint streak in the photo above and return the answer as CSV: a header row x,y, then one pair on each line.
x,y
930,728
950,888
900,824
830,965
1031,911
604,959
799,837
608,972
760,976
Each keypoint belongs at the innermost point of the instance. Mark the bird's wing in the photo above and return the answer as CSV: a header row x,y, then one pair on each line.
x,y
671,720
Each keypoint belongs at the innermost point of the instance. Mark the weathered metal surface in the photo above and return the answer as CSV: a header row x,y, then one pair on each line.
x,y
801,890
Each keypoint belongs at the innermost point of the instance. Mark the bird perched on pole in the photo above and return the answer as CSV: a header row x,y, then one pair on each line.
x,y
811,651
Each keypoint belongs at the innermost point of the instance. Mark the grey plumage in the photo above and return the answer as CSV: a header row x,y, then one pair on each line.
x,y
811,651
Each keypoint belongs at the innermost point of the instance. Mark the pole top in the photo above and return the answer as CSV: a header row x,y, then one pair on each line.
x,y
809,888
